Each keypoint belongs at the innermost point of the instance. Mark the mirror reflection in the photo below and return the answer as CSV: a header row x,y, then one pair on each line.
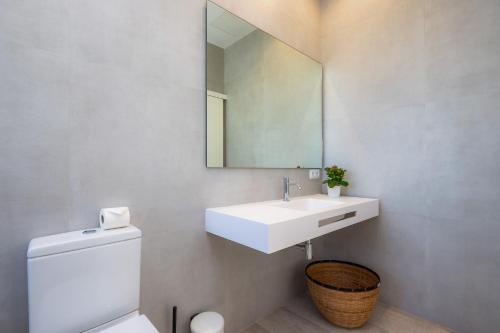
x,y
264,98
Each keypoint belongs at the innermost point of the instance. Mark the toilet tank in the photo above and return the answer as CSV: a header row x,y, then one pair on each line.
x,y
80,280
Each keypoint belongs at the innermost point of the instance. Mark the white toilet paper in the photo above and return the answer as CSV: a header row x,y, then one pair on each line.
x,y
111,218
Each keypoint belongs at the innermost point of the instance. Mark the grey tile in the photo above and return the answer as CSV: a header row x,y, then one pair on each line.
x,y
102,104
304,307
411,96
300,315
393,320
284,321
255,328
461,57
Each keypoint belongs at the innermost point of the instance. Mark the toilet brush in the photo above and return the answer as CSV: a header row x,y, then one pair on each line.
x,y
174,319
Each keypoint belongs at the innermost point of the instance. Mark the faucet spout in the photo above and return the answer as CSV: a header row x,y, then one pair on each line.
x,y
286,188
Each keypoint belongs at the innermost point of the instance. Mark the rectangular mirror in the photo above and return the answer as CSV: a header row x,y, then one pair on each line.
x,y
264,98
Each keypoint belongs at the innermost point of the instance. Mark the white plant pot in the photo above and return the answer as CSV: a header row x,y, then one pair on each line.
x,y
334,192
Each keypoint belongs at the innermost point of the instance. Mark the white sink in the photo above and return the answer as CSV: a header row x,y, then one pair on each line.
x,y
270,226
308,204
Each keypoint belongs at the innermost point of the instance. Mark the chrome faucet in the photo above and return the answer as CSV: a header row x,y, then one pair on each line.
x,y
286,188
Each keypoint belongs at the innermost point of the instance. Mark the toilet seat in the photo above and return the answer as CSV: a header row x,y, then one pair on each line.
x,y
136,324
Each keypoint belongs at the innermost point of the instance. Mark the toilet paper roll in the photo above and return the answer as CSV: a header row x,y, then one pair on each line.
x,y
111,218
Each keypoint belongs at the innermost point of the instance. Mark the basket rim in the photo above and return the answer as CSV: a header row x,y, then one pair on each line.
x,y
329,286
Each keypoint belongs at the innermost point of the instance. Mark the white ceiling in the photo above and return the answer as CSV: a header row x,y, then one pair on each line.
x,y
224,28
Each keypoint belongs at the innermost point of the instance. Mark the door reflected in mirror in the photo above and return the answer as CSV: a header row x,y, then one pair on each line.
x,y
264,98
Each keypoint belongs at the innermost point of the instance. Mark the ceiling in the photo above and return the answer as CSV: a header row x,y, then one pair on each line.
x,y
224,28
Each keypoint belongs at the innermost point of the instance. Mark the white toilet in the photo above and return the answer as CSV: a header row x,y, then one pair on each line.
x,y
86,281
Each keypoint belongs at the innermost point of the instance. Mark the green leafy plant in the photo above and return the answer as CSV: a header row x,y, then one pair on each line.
x,y
335,177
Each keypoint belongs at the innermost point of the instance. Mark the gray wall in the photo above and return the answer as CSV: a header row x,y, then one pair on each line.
x,y
274,106
215,68
102,103
412,90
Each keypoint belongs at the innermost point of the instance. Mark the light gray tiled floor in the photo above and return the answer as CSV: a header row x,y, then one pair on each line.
x,y
300,316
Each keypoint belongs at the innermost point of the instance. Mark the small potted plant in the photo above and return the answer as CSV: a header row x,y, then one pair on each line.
x,y
335,180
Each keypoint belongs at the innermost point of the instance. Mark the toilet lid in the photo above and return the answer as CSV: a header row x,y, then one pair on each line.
x,y
139,324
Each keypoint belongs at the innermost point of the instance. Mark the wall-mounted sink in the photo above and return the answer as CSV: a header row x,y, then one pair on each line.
x,y
270,226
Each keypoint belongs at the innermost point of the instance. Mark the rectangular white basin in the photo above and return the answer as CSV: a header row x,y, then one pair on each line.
x,y
308,204
270,226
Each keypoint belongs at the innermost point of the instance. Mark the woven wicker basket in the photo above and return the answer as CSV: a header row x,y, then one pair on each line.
x,y
344,293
